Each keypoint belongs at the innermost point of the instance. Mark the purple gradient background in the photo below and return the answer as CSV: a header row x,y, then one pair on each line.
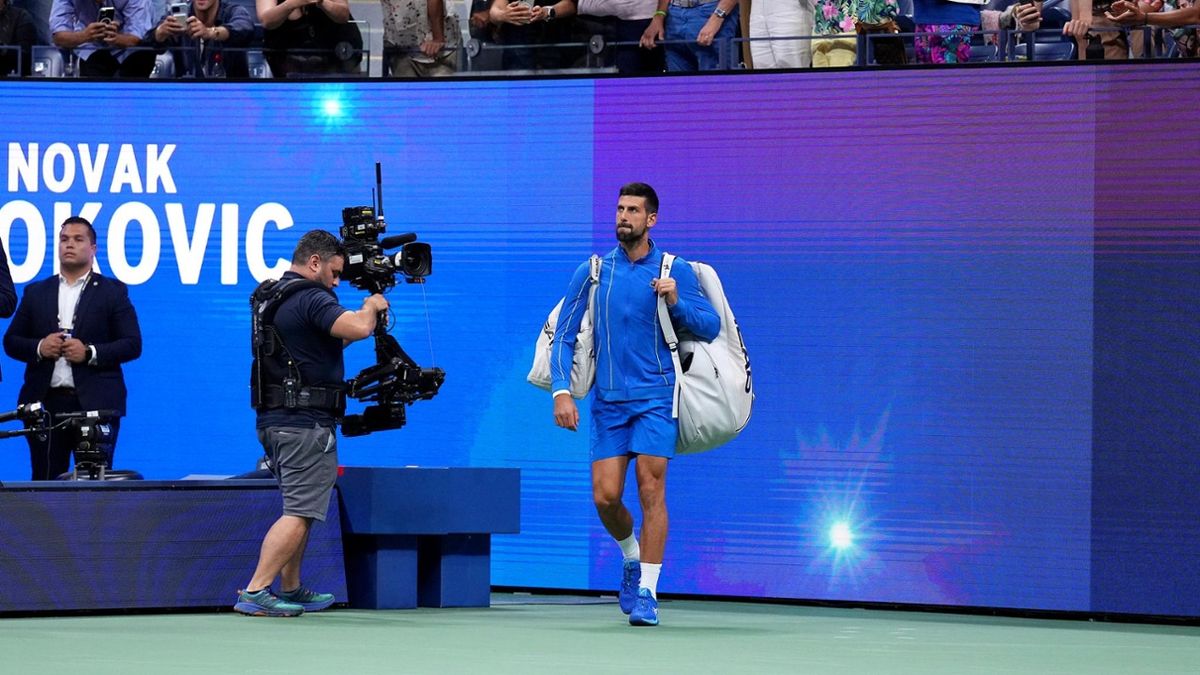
x,y
914,275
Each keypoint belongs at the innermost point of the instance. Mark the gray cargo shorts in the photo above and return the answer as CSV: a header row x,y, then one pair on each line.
x,y
305,463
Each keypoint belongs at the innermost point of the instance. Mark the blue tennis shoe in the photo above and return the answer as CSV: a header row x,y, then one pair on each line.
x,y
631,576
645,610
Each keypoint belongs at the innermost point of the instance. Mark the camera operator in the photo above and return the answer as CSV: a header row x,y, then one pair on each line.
x,y
298,391
73,331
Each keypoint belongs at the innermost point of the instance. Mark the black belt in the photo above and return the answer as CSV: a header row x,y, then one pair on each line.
x,y
62,391
317,398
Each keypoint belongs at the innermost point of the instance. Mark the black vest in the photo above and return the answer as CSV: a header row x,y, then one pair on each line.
x,y
274,376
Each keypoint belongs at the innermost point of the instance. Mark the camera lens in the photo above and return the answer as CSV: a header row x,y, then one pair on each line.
x,y
415,259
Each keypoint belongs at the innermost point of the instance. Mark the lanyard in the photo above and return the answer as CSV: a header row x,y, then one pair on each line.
x,y
75,309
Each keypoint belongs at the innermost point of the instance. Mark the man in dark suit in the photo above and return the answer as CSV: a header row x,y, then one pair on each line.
x,y
8,293
73,331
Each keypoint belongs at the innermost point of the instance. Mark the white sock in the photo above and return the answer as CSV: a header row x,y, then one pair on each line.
x,y
650,573
629,548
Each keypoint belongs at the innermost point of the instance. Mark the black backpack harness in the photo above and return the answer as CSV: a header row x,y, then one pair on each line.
x,y
275,380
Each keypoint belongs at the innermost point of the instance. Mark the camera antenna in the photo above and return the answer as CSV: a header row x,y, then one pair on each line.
x,y
378,190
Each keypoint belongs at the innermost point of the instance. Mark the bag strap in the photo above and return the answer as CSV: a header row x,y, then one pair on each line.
x,y
594,279
664,320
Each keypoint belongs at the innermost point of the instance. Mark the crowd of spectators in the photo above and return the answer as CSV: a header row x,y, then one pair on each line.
x,y
424,38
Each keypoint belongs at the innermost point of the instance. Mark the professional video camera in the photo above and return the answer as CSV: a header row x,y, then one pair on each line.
x,y
396,380
92,434
33,415
26,412
368,267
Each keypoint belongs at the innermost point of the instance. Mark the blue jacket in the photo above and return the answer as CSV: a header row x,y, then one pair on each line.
x,y
633,362
104,318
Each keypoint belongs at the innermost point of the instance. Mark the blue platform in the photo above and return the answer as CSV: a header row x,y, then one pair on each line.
x,y
68,546
422,536
413,537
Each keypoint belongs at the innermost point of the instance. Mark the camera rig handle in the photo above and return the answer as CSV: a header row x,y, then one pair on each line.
x,y
392,383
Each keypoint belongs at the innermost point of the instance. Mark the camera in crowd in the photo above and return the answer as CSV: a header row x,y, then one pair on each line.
x,y
107,14
368,265
179,10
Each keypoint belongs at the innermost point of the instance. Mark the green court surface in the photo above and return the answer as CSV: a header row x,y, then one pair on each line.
x,y
536,634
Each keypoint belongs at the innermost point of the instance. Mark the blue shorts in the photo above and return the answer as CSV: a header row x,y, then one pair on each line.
x,y
632,428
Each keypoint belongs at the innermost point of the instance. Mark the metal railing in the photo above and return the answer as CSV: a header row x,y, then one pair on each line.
x,y
594,55
341,61
15,54
1007,45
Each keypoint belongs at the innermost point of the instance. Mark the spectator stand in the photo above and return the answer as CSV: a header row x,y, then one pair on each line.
x,y
483,55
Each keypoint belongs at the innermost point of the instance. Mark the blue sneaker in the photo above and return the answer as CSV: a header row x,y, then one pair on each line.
x,y
309,600
265,603
645,610
631,576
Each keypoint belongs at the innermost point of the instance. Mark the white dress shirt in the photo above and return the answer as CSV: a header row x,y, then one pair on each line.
x,y
68,302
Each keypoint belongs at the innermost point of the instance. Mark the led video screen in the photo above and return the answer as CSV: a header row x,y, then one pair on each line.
x,y
946,281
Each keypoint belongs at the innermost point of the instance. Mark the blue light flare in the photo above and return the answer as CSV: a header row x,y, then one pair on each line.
x,y
332,106
841,537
